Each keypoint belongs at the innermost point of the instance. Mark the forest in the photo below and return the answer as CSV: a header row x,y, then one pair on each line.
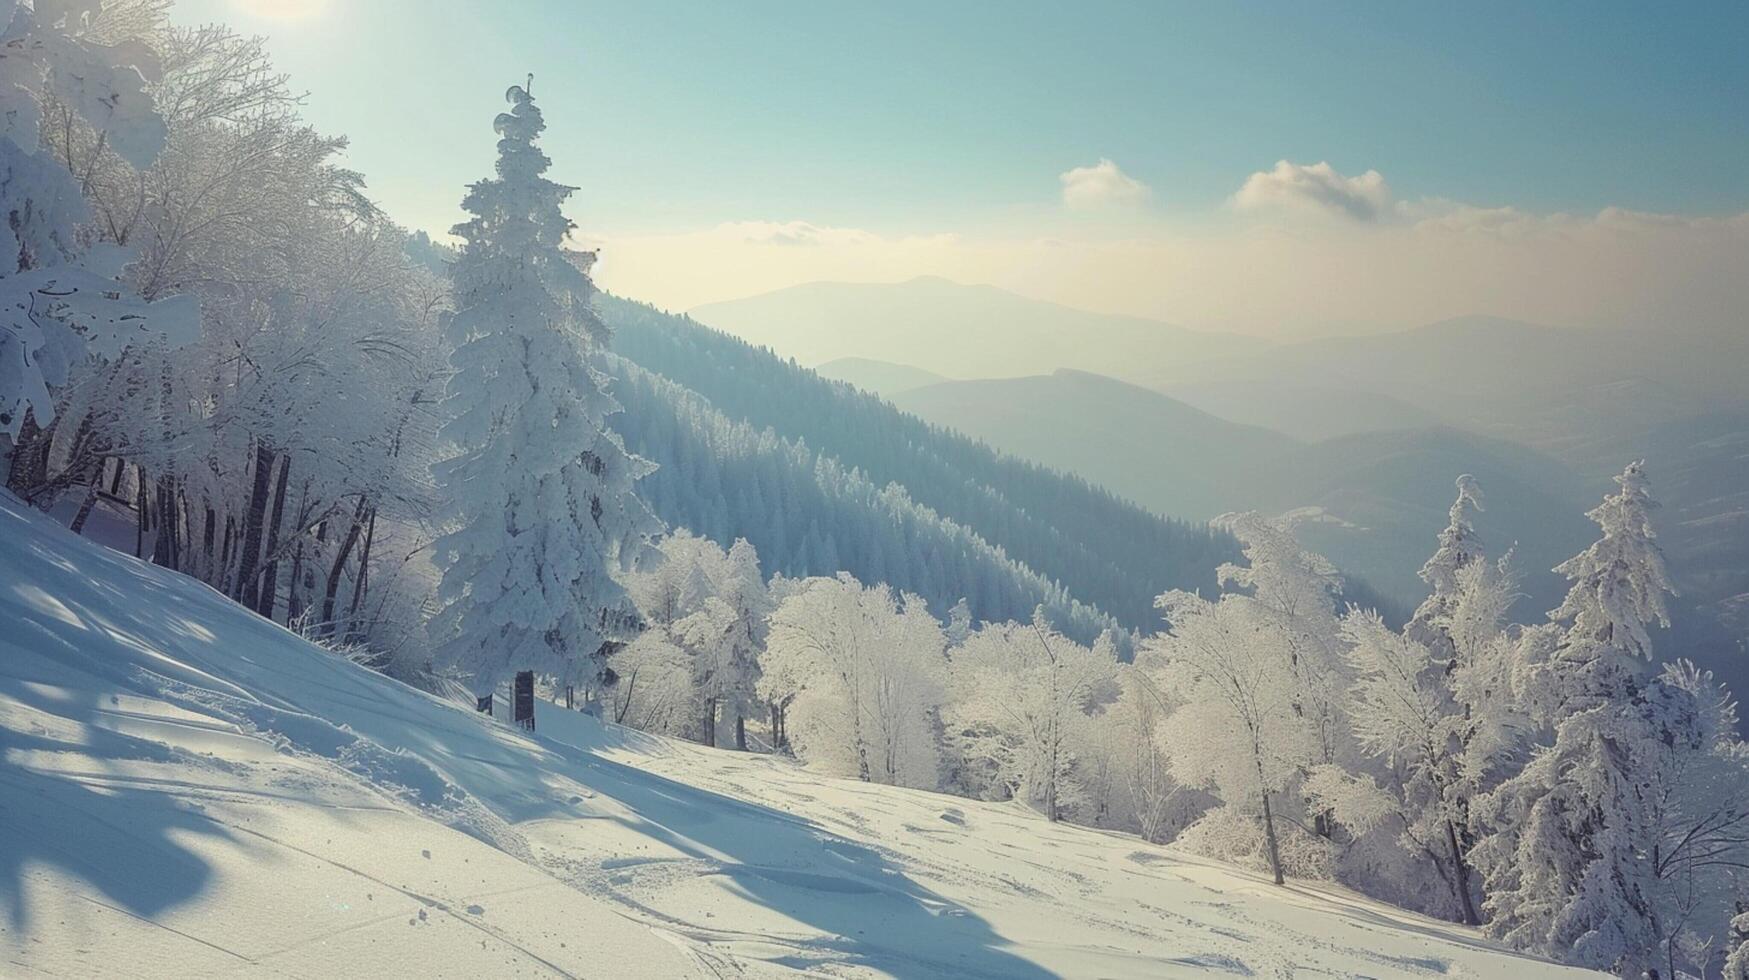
x,y
456,463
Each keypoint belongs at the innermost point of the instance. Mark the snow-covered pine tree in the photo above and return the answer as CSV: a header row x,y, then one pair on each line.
x,y
1459,547
539,493
1568,854
746,594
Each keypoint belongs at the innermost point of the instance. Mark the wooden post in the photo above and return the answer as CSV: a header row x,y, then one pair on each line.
x,y
523,703
569,694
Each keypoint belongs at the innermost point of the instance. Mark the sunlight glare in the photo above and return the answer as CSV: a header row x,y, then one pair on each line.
x,y
283,9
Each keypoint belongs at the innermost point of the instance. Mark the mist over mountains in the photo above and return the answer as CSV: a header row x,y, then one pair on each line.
x,y
1357,438
959,331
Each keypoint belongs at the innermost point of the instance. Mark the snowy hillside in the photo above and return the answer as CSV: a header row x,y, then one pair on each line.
x,y
186,788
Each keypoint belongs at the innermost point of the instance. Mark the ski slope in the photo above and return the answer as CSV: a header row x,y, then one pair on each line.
x,y
186,789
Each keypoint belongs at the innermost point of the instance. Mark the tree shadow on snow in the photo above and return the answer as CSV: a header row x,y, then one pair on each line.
x,y
871,913
117,837
124,625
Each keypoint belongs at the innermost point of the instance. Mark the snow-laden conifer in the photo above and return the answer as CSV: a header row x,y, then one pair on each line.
x,y
539,492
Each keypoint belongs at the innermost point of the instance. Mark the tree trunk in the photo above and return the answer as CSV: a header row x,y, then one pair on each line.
x,y
30,456
270,574
710,722
141,518
1462,878
84,512
294,593
209,534
1269,837
362,582
248,586
1051,787
740,732
339,566
165,550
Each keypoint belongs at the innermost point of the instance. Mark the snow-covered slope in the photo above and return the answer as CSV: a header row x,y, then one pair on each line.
x,y
188,790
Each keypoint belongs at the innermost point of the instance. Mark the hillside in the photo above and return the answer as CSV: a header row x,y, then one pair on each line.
x,y
1101,548
1302,407
1154,450
189,783
959,330
1374,500
808,513
882,378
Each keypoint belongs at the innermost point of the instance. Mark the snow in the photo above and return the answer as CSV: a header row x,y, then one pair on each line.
x,y
188,789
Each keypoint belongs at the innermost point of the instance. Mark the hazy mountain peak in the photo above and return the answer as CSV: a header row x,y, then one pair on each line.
x,y
959,330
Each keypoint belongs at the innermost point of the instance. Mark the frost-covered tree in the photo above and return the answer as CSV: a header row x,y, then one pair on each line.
x,y
743,591
540,492
864,670
714,605
1459,548
1124,768
653,691
1294,591
1403,712
1237,731
1572,843
60,299
1022,695
959,623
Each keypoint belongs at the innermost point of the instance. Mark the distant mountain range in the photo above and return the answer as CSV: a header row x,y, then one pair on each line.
x,y
1576,393
960,331
883,378
1359,437
1372,502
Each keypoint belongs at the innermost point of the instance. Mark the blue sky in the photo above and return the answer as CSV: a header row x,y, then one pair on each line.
x,y
912,119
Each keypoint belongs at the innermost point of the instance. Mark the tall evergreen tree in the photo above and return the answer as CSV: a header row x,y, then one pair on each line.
x,y
1459,547
539,493
1571,857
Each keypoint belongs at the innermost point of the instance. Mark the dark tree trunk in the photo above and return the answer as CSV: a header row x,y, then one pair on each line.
x,y
1462,877
248,585
209,535
141,518
361,583
225,546
339,566
295,592
1269,837
270,575
165,551
741,732
30,457
710,722
83,514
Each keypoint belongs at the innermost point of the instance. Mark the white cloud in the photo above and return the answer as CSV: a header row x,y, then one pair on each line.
x,y
1317,188
1102,185
794,233
1416,262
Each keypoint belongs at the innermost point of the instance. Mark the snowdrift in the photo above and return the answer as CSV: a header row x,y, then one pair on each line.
x,y
186,789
